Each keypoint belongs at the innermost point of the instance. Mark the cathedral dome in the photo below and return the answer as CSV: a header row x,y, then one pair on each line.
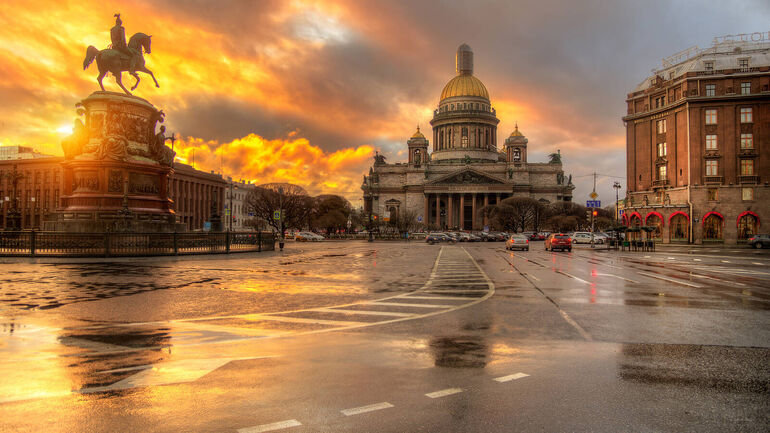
x,y
417,133
464,85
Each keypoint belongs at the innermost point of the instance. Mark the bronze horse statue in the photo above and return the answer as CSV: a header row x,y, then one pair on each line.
x,y
114,61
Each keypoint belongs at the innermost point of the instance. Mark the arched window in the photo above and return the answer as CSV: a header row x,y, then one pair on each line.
x,y
655,221
636,223
748,226
712,227
464,134
517,154
678,228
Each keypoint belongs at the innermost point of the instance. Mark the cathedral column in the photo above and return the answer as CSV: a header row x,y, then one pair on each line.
x,y
438,210
486,204
426,212
462,211
473,216
449,218
435,136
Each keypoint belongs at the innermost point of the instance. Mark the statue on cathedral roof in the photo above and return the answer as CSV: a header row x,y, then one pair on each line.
x,y
555,158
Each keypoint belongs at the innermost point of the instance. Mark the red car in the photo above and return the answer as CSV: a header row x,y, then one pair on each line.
x,y
560,241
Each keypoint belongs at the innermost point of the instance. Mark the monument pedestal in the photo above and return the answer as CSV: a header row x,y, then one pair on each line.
x,y
116,169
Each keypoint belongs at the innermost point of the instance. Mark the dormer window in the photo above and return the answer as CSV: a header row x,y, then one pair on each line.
x,y
709,66
743,65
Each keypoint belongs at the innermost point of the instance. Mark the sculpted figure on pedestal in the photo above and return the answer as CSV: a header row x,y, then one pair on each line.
x,y
74,144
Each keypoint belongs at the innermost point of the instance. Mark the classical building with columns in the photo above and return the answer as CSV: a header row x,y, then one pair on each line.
x,y
465,171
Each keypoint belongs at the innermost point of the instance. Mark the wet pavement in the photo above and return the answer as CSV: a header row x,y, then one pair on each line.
x,y
389,337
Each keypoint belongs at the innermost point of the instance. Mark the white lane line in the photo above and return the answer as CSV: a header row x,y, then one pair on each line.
x,y
364,312
671,258
399,304
618,276
756,263
306,320
697,260
534,277
725,261
364,409
444,392
717,279
669,279
574,277
510,377
280,425
437,298
646,257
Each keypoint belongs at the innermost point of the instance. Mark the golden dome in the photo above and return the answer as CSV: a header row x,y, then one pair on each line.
x,y
417,133
516,132
464,85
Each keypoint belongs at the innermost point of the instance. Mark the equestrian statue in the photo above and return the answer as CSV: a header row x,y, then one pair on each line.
x,y
120,56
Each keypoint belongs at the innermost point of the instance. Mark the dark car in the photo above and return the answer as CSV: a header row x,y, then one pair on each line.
x,y
558,241
439,237
759,241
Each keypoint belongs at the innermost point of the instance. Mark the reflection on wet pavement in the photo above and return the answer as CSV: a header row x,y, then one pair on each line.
x,y
464,351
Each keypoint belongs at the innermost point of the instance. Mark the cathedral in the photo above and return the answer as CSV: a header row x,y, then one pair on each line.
x,y
448,187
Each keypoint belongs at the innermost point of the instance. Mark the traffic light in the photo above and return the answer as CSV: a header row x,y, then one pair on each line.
x,y
588,214
594,213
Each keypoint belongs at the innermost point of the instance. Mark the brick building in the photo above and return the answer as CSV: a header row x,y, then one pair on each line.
x,y
465,172
698,144
38,189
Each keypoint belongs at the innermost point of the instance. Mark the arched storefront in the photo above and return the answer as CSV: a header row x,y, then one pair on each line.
x,y
748,225
655,220
635,222
713,225
678,227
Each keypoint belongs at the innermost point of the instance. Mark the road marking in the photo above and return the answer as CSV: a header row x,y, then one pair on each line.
x,y
534,277
572,276
280,425
364,312
510,377
756,263
717,279
399,304
671,258
306,320
444,392
698,260
725,261
364,409
646,257
669,279
618,276
440,298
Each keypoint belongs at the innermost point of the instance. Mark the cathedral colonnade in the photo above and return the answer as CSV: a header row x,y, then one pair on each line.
x,y
459,210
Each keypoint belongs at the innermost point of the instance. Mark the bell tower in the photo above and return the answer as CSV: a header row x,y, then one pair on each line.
x,y
418,148
516,147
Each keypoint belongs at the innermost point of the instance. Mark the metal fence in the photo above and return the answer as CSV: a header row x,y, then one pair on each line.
x,y
69,244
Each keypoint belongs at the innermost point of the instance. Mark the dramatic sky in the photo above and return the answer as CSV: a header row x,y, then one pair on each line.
x,y
306,91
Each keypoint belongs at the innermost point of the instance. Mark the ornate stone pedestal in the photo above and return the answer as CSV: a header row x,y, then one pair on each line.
x,y
116,169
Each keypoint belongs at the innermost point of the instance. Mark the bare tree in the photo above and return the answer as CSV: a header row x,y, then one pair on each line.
x,y
292,200
518,213
330,212
406,221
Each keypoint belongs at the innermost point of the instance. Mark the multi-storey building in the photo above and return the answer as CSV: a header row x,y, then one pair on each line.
x,y
37,191
236,213
698,144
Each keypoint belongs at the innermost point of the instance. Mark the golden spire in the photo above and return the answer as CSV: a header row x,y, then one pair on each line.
x,y
516,132
418,134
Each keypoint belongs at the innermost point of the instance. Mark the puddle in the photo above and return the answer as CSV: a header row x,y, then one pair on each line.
x,y
466,351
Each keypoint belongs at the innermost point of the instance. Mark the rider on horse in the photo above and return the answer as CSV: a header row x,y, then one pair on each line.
x,y
118,36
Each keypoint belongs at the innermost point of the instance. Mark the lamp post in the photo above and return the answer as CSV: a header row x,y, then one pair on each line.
x,y
371,209
280,216
616,185
230,206
13,218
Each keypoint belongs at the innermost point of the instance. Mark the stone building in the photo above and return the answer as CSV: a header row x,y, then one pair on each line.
x,y
39,184
698,145
464,171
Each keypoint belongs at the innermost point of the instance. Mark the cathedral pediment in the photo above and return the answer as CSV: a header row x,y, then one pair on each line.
x,y
467,176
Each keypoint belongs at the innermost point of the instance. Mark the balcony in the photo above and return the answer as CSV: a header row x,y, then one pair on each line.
x,y
713,180
748,152
660,183
752,179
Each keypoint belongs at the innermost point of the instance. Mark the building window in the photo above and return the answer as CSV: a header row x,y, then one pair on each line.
x,y
746,115
712,167
743,64
662,172
745,88
711,89
712,228
711,142
748,225
711,117
661,125
661,150
709,66
747,141
747,167
747,193
713,194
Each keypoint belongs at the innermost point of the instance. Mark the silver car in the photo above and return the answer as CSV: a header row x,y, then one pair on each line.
x,y
517,242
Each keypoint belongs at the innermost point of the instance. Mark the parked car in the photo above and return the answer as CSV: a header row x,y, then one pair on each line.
x,y
558,241
583,238
517,242
530,235
542,235
472,237
759,241
308,237
434,238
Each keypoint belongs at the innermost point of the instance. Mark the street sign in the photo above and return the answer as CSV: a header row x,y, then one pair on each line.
x,y
621,211
593,195
419,219
386,217
593,203
227,211
276,215
251,214
486,229
207,226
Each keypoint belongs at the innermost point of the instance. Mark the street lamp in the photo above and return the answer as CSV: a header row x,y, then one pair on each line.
x,y
280,216
616,185
230,210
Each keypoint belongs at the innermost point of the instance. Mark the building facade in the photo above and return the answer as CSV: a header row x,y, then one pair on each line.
x,y
465,171
38,185
697,145
235,204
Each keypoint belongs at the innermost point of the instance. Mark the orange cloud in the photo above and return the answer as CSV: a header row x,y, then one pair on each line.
x,y
294,160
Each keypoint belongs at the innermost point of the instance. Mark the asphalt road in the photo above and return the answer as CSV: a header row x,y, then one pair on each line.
x,y
389,337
